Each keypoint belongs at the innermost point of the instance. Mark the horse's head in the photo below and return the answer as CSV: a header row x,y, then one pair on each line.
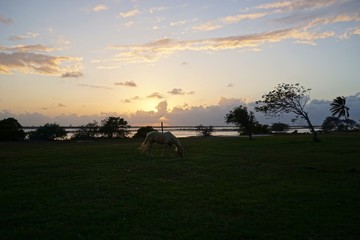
x,y
180,151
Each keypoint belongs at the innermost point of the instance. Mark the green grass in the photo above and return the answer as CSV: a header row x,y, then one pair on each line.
x,y
276,187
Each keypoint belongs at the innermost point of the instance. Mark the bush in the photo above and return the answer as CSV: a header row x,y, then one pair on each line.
x,y
49,131
89,131
141,132
279,127
114,127
205,131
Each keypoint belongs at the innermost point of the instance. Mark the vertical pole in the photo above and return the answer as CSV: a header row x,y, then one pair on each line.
x,y
162,127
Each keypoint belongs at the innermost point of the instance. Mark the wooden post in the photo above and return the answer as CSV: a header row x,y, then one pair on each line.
x,y
162,127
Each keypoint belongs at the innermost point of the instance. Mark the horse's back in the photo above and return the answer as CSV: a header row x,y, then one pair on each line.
x,y
155,136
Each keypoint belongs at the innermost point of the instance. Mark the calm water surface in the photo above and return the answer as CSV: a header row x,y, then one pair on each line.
x,y
182,132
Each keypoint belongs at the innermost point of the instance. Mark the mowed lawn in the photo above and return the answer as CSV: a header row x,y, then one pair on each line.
x,y
274,187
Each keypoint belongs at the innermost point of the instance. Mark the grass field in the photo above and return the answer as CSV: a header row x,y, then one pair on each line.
x,y
275,187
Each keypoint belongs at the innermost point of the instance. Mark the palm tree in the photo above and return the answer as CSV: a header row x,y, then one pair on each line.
x,y
338,108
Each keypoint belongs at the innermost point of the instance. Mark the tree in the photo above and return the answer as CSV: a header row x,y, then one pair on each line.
x,y
11,130
279,127
287,98
89,131
348,124
259,128
330,124
49,131
339,108
141,132
242,118
114,126
334,124
204,130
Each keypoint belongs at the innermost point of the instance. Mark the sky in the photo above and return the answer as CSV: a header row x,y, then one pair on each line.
x,y
179,62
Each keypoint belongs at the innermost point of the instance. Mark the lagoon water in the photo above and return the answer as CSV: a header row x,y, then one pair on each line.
x,y
187,131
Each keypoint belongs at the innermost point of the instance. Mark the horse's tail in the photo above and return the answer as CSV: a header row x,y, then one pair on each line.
x,y
144,144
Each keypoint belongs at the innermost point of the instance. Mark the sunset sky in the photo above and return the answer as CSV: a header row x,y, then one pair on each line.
x,y
181,62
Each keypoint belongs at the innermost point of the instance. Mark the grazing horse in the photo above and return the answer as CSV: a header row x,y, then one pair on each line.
x,y
167,139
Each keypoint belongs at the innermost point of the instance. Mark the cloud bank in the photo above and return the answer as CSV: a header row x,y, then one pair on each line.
x,y
187,115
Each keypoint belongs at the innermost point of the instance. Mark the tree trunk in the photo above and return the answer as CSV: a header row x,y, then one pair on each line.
x,y
250,135
311,127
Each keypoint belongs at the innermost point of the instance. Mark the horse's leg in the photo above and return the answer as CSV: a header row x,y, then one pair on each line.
x,y
149,147
165,147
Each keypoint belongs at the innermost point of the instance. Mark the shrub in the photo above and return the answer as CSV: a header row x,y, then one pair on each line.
x,y
141,132
279,127
204,130
49,131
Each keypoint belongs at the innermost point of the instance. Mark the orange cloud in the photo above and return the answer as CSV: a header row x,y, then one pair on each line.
x,y
72,75
221,22
156,95
153,51
207,26
33,60
176,91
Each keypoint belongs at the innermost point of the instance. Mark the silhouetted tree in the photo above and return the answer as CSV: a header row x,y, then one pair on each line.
x,y
330,124
141,132
88,131
205,131
334,124
287,98
279,127
260,128
11,130
49,131
339,108
114,127
242,118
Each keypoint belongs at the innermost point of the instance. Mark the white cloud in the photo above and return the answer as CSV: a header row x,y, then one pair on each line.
x,y
100,7
157,9
27,35
130,13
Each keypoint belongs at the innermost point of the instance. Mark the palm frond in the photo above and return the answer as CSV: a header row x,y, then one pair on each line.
x,y
338,107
